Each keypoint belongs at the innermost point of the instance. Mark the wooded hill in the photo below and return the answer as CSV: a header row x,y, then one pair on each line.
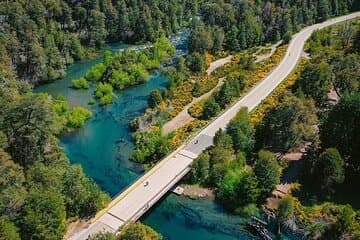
x,y
42,37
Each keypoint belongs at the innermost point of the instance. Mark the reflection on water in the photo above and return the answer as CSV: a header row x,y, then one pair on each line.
x,y
179,218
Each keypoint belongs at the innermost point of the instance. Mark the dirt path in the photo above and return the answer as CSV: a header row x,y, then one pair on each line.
x,y
184,117
262,57
218,63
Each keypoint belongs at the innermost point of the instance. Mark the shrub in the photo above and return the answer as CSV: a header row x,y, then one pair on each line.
x,y
77,117
106,99
80,83
103,89
211,109
92,101
196,62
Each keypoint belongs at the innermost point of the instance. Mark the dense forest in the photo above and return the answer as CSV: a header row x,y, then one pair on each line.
x,y
42,37
237,25
40,191
222,27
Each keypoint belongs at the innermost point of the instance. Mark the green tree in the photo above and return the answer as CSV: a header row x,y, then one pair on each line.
x,y
42,176
231,39
266,169
237,189
330,169
138,231
97,32
12,191
150,146
77,116
323,10
218,39
8,230
287,37
138,74
239,161
104,91
80,83
211,109
241,132
315,81
356,42
43,215
225,94
96,72
247,190
341,130
195,62
155,98
346,74
287,125
219,161
163,48
200,39
29,124
250,33
223,140
77,51
200,168
196,91
347,222
228,187
82,197
286,210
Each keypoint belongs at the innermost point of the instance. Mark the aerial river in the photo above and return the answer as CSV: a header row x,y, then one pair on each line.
x,y
103,147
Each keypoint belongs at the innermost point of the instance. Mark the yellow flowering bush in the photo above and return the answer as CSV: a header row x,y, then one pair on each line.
x,y
271,101
196,110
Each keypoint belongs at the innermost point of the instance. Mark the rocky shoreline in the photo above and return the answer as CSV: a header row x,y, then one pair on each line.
x,y
196,192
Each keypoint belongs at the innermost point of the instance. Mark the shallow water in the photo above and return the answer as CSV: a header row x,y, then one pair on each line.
x,y
103,147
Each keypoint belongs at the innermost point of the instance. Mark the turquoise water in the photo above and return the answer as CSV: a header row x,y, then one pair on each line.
x,y
103,147
179,218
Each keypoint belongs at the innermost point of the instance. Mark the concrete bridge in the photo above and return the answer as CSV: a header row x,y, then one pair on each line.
x,y
131,204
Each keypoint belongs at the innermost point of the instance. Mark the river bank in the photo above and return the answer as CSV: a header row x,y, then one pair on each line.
x,y
196,192
103,147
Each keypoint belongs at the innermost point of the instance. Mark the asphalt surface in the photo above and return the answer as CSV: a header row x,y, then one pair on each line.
x,y
147,190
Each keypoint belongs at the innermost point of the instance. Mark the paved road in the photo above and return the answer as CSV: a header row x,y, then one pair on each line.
x,y
145,192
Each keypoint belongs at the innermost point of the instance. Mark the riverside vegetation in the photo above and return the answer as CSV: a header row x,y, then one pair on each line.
x,y
133,231
288,125
41,191
242,166
124,69
241,74
223,26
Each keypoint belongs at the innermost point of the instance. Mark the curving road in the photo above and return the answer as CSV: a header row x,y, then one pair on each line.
x,y
147,190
